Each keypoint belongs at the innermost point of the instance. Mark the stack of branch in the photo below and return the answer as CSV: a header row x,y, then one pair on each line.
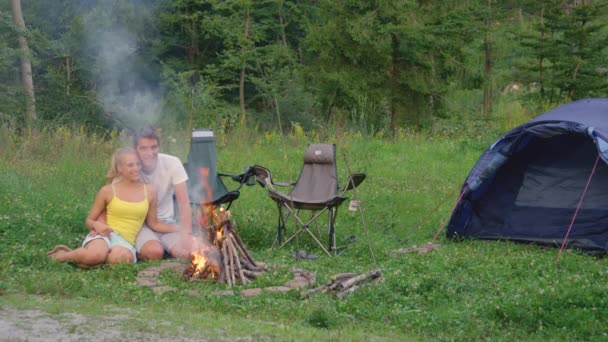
x,y
238,265
226,259
344,283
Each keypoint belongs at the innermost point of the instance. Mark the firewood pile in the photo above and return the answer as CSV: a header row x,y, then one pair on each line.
x,y
227,259
344,283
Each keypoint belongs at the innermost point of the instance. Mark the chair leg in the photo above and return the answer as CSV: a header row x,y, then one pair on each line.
x,y
318,242
305,226
281,226
332,229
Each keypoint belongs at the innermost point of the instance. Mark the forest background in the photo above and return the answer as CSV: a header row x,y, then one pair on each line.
x,y
374,67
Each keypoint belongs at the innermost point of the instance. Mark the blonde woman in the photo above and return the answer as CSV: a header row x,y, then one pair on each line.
x,y
128,203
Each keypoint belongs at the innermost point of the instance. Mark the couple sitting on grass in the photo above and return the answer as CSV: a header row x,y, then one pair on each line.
x,y
133,215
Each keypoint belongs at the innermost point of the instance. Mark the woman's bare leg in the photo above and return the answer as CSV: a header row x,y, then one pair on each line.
x,y
119,255
92,254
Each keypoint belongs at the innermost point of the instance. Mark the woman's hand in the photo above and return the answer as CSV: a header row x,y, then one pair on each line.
x,y
102,228
96,220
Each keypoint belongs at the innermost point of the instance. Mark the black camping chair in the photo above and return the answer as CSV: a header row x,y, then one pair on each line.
x,y
315,190
205,185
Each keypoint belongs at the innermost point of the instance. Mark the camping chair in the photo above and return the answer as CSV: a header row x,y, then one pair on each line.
x,y
205,185
315,190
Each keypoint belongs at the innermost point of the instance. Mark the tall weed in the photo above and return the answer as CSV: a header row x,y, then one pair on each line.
x,y
510,113
48,145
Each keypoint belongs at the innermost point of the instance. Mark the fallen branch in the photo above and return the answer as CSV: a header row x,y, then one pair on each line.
x,y
344,283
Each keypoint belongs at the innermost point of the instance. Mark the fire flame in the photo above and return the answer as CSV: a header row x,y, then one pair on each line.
x,y
213,220
198,261
201,268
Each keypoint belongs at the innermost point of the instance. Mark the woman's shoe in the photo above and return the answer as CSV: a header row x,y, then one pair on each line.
x,y
57,249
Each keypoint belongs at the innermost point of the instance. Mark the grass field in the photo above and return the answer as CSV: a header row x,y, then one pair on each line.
x,y
471,290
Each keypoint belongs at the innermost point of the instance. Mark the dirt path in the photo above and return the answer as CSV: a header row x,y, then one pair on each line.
x,y
35,325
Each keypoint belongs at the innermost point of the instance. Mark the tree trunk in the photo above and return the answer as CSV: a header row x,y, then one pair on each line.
x,y
242,82
394,82
577,65
282,24
487,88
193,49
68,74
541,66
26,66
520,15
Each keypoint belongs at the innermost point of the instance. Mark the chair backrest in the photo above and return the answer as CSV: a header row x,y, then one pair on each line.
x,y
204,184
318,178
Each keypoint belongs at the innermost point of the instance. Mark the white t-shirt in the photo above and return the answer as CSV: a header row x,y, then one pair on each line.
x,y
168,173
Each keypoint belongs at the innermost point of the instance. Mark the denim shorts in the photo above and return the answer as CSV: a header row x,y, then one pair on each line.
x,y
114,240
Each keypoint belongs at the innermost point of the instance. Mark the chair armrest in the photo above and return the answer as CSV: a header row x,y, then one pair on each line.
x,y
264,177
245,178
237,178
353,181
283,184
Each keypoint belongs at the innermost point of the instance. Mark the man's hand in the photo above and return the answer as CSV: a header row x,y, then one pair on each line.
x,y
180,228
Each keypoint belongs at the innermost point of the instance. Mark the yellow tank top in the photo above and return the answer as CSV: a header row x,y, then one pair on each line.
x,y
126,218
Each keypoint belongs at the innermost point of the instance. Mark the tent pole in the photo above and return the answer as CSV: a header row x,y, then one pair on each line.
x,y
580,202
445,221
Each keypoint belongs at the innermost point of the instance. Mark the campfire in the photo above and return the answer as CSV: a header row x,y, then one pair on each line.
x,y
201,268
225,258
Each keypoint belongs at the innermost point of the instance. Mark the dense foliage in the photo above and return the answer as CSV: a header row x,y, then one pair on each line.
x,y
372,66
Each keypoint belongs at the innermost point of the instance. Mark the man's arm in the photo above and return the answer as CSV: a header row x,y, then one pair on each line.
x,y
152,217
183,204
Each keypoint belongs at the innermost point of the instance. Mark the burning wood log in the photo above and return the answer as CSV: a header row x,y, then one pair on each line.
x,y
344,283
226,277
203,264
234,264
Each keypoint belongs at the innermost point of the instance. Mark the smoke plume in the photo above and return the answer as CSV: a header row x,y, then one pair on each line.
x,y
121,74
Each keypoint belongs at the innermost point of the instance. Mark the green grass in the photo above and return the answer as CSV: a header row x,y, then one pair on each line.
x,y
471,290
